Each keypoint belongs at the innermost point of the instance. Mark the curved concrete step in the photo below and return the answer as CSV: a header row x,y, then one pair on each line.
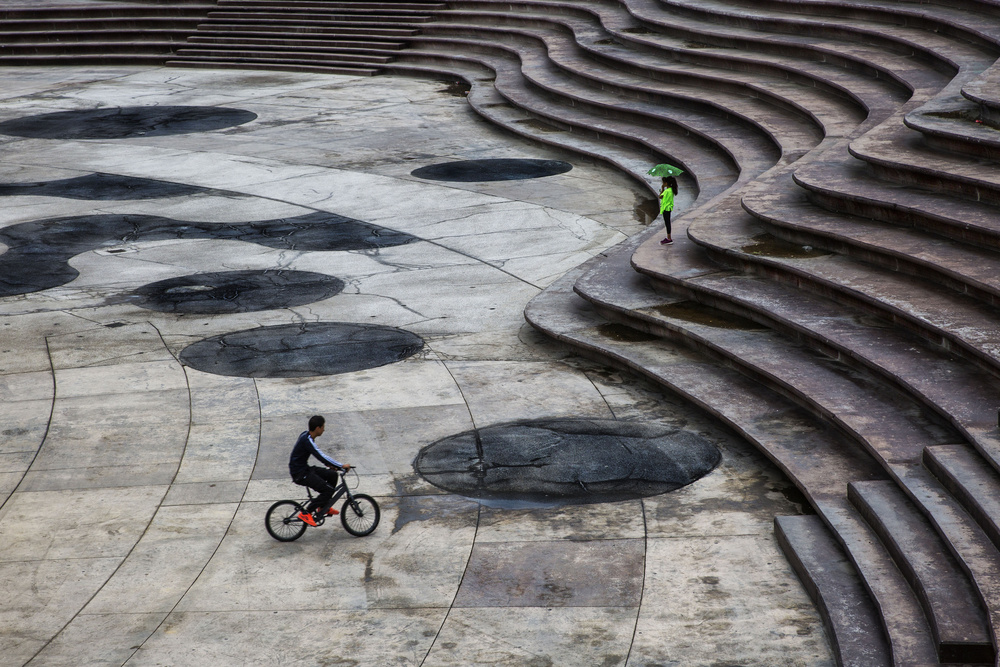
x,y
961,19
296,39
281,16
903,73
269,55
943,51
279,64
293,28
68,37
956,124
972,481
88,23
341,46
968,544
118,10
984,91
896,154
99,57
949,600
787,208
845,187
25,52
835,587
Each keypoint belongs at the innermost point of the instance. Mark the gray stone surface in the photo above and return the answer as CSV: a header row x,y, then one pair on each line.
x,y
133,531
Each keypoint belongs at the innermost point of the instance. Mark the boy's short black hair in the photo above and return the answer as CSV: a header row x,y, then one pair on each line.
x,y
315,422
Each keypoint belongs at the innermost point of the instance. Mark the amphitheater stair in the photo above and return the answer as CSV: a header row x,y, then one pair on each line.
x,y
844,187
833,582
334,37
127,33
948,599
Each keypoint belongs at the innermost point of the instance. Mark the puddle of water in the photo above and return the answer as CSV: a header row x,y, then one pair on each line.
x,y
691,311
793,495
771,246
647,210
624,334
456,89
873,322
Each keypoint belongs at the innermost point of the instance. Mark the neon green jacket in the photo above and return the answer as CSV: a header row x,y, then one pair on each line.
x,y
667,200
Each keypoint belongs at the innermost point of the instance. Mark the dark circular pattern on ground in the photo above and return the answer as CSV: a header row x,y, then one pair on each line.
x,y
502,169
237,291
38,253
301,350
125,122
101,187
567,461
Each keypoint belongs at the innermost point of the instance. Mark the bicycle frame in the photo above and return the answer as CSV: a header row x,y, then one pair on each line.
x,y
338,493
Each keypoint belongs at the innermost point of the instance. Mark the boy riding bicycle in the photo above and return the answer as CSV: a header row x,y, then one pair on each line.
x,y
323,481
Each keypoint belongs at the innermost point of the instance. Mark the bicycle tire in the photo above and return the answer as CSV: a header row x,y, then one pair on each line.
x,y
282,521
361,517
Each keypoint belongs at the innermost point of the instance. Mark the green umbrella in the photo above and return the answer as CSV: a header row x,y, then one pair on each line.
x,y
665,170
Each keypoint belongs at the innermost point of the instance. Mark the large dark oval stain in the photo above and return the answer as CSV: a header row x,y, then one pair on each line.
x,y
38,253
567,461
237,291
501,169
301,350
125,122
101,187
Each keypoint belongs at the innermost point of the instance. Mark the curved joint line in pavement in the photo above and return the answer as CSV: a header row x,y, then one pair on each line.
x,y
642,588
48,425
475,535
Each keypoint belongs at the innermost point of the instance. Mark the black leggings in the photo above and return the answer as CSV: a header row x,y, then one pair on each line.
x,y
666,221
324,482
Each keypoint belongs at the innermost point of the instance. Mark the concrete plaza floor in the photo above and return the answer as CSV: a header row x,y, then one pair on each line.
x,y
134,486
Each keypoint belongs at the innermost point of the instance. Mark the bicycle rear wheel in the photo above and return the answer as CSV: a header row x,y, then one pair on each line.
x,y
361,516
283,522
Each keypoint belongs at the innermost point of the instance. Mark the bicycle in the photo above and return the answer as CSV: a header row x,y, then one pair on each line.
x,y
359,515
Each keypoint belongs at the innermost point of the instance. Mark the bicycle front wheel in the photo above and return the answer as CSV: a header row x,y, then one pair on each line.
x,y
283,522
360,515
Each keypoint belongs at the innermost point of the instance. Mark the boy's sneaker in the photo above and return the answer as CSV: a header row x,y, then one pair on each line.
x,y
308,519
667,242
332,512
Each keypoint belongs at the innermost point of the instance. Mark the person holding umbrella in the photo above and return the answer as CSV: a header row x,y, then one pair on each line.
x,y
667,191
